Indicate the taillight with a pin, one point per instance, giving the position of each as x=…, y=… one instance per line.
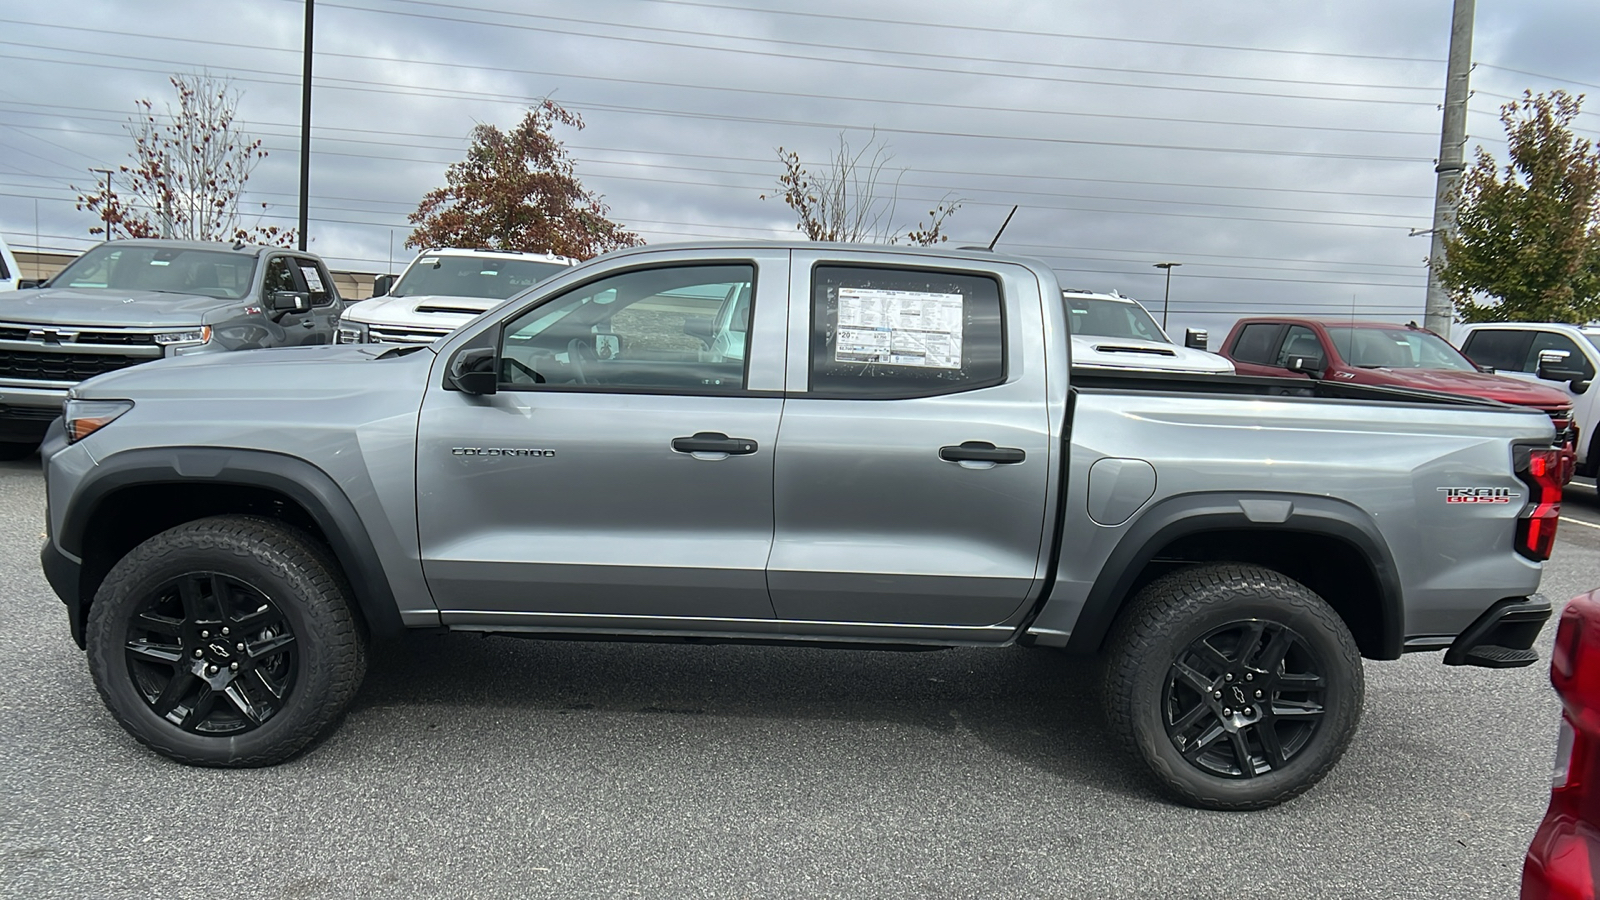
x=1540, y=470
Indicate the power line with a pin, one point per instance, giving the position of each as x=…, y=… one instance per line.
x=1588, y=84
x=327, y=83
x=658, y=29
x=765, y=160
x=455, y=18
x=970, y=28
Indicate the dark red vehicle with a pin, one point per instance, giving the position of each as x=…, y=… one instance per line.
x=1387, y=355
x=1563, y=862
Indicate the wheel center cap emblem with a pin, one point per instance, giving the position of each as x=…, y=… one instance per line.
x=222, y=651
x=1238, y=694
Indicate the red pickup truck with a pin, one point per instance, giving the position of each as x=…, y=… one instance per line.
x=1387, y=355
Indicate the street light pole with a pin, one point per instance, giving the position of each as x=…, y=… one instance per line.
x=105, y=203
x=305, y=128
x=1169, y=266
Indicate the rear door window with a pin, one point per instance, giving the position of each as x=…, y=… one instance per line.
x=1504, y=349
x=898, y=333
x=1257, y=343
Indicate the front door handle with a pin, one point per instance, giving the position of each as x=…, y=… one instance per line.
x=714, y=442
x=981, y=451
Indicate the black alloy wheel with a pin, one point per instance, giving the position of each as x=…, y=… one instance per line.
x=212, y=654
x=1244, y=699
x=227, y=641
x=1238, y=687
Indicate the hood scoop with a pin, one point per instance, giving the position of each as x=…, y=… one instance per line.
x=1145, y=351
x=452, y=310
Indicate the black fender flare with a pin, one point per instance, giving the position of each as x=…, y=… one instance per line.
x=1192, y=514
x=303, y=483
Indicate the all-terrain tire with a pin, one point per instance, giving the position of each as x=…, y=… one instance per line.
x=1183, y=646
x=289, y=607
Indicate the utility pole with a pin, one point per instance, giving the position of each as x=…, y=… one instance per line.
x=1452, y=144
x=305, y=128
x=1169, y=266
x=105, y=206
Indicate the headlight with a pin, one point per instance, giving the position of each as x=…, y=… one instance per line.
x=352, y=333
x=85, y=417
x=188, y=336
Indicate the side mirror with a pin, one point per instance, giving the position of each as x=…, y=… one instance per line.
x=1557, y=365
x=26, y=283
x=383, y=284
x=475, y=371
x=1197, y=339
x=280, y=302
x=1305, y=365
x=700, y=327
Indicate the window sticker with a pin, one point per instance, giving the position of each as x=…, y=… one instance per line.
x=160, y=262
x=899, y=328
x=313, y=280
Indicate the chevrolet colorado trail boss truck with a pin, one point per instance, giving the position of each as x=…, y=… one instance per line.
x=132, y=301
x=837, y=445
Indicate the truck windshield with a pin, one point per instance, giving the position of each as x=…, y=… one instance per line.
x=471, y=276
x=1112, y=318
x=172, y=270
x=1396, y=348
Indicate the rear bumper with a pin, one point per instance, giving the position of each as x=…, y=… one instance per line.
x=1501, y=638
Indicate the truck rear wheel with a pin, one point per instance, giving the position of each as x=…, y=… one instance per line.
x=1239, y=687
x=226, y=641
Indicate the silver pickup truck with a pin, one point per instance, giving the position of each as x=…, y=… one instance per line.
x=832, y=445
x=128, y=302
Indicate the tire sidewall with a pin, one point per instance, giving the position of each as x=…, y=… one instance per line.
x=1341, y=702
x=124, y=593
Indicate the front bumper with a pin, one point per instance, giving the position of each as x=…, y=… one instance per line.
x=1501, y=638
x=64, y=574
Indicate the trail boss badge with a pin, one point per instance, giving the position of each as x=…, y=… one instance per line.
x=1476, y=495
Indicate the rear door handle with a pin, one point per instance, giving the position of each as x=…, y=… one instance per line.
x=714, y=442
x=981, y=451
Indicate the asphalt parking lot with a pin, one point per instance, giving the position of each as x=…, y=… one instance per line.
x=491, y=767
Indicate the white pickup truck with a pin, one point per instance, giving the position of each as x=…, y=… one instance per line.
x=1110, y=331
x=441, y=290
x=1551, y=352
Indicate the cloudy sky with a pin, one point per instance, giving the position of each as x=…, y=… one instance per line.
x=1281, y=151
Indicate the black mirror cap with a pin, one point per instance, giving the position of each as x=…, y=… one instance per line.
x=475, y=370
x=383, y=284
x=1305, y=365
x=31, y=283
x=289, y=301
x=479, y=383
x=1556, y=365
x=1197, y=339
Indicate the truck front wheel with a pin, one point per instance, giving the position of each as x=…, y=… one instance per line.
x=1239, y=687
x=226, y=641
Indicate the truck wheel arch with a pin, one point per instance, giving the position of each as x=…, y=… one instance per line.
x=1318, y=533
x=212, y=480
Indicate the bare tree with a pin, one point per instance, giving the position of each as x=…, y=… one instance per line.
x=848, y=199
x=190, y=166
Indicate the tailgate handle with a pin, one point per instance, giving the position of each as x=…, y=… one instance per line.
x=981, y=451
x=714, y=442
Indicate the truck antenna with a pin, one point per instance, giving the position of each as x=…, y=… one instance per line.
x=1002, y=227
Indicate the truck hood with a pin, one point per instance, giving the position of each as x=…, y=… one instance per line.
x=424, y=311
x=1470, y=384
x=107, y=307
x=308, y=372
x=1098, y=352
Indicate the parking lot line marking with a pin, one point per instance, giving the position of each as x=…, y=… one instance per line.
x=1580, y=522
